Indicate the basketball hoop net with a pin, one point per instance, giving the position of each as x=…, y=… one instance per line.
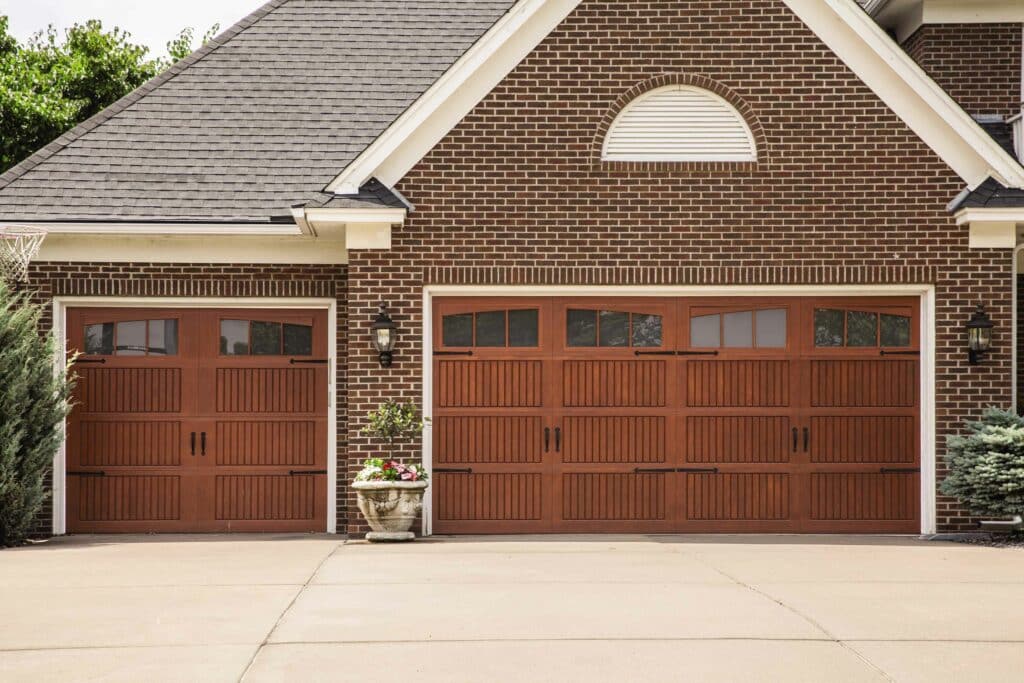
x=19, y=244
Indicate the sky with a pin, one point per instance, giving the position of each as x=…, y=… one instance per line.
x=151, y=22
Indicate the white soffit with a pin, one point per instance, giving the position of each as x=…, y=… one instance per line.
x=890, y=72
x=679, y=123
x=841, y=24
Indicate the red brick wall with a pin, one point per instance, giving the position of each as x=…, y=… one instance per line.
x=978, y=64
x=199, y=280
x=843, y=193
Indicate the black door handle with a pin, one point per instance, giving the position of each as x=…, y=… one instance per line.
x=558, y=439
x=192, y=441
x=795, y=437
x=807, y=438
x=547, y=439
x=202, y=441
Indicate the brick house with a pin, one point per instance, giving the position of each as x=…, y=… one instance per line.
x=668, y=266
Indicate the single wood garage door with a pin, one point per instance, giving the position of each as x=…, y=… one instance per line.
x=198, y=420
x=676, y=415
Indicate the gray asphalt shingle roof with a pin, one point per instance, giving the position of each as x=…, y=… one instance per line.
x=260, y=120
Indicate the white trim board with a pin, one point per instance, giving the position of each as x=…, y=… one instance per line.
x=926, y=293
x=291, y=250
x=842, y=25
x=61, y=304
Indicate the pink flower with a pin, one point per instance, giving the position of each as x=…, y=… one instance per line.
x=406, y=476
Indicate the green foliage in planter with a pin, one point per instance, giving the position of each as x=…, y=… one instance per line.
x=986, y=467
x=393, y=421
x=34, y=401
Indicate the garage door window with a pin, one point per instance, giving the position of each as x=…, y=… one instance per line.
x=835, y=328
x=740, y=330
x=259, y=338
x=132, y=338
x=613, y=329
x=492, y=329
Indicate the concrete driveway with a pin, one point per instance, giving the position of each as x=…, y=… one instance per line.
x=277, y=608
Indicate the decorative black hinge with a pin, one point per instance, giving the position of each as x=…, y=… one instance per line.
x=883, y=352
x=318, y=361
x=98, y=361
x=296, y=473
x=698, y=470
x=87, y=474
x=453, y=353
x=900, y=470
x=453, y=470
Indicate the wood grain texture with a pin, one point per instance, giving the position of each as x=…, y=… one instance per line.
x=737, y=439
x=614, y=384
x=130, y=444
x=611, y=439
x=863, y=383
x=864, y=496
x=883, y=439
x=619, y=497
x=265, y=497
x=490, y=384
x=489, y=439
x=737, y=497
x=130, y=390
x=738, y=383
x=489, y=497
x=266, y=390
x=128, y=498
x=270, y=443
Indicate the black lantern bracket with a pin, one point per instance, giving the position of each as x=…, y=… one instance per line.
x=979, y=335
x=385, y=334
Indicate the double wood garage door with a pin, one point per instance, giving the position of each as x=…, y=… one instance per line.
x=198, y=420
x=676, y=415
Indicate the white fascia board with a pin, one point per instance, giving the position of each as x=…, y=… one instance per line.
x=349, y=216
x=257, y=229
x=972, y=12
x=1001, y=215
x=925, y=107
x=454, y=95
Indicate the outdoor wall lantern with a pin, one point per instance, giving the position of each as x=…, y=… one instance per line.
x=384, y=336
x=979, y=335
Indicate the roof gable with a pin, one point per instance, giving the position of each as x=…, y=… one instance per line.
x=842, y=25
x=260, y=119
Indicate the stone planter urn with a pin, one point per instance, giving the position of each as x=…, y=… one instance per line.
x=390, y=508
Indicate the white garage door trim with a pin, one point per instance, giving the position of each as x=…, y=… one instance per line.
x=925, y=292
x=62, y=304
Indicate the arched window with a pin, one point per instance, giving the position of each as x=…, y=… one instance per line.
x=679, y=123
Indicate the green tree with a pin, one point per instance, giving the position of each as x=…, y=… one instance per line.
x=34, y=402
x=986, y=465
x=49, y=85
x=181, y=47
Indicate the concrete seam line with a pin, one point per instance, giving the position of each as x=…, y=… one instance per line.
x=871, y=665
x=284, y=612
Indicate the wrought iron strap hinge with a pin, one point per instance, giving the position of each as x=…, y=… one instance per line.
x=87, y=474
x=453, y=470
x=685, y=470
x=317, y=361
x=296, y=473
x=900, y=470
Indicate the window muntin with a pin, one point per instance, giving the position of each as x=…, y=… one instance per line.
x=589, y=328
x=132, y=338
x=265, y=338
x=761, y=329
x=837, y=328
x=515, y=328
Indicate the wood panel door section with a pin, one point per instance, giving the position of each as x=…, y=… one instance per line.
x=737, y=415
x=172, y=433
x=492, y=433
x=263, y=432
x=614, y=398
x=862, y=415
x=130, y=468
x=750, y=415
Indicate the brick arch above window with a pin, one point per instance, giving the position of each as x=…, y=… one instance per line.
x=661, y=110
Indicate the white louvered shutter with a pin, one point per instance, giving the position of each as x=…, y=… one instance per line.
x=679, y=123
